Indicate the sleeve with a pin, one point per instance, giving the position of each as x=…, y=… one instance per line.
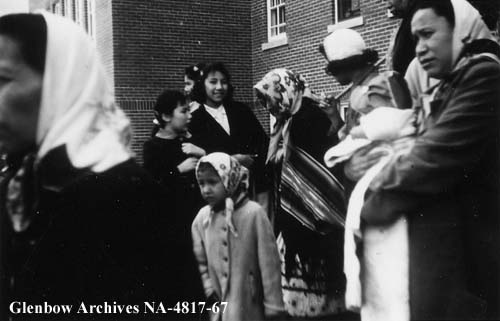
x=258, y=144
x=149, y=156
x=160, y=165
x=455, y=144
x=389, y=89
x=310, y=131
x=200, y=253
x=270, y=266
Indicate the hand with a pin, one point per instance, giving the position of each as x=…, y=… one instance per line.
x=330, y=106
x=193, y=150
x=187, y=165
x=244, y=159
x=361, y=161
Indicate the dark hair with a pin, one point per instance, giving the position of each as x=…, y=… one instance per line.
x=478, y=46
x=443, y=8
x=29, y=31
x=194, y=72
x=166, y=103
x=206, y=166
x=368, y=57
x=199, y=93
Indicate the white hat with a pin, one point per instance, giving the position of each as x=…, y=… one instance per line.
x=343, y=43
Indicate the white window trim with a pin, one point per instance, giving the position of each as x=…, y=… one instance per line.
x=273, y=41
x=91, y=12
x=58, y=8
x=68, y=7
x=345, y=24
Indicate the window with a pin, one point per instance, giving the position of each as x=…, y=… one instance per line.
x=347, y=9
x=347, y=14
x=276, y=19
x=89, y=20
x=80, y=11
x=57, y=8
x=77, y=11
x=63, y=8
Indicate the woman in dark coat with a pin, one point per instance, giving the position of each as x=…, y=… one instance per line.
x=447, y=182
x=310, y=249
x=80, y=221
x=222, y=124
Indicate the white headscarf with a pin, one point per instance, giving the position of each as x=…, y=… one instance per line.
x=77, y=106
x=469, y=26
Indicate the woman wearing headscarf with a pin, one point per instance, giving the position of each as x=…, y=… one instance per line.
x=80, y=220
x=447, y=183
x=310, y=238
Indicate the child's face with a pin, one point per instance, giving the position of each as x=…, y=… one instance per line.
x=181, y=116
x=188, y=85
x=211, y=187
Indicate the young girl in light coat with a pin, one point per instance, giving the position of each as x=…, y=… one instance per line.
x=235, y=246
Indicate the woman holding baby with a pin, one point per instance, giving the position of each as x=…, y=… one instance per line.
x=446, y=183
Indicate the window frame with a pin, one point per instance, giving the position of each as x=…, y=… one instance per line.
x=57, y=8
x=346, y=23
x=89, y=17
x=82, y=12
x=279, y=36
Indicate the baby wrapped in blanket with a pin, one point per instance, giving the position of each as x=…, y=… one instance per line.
x=377, y=280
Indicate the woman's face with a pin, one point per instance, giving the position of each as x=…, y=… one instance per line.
x=216, y=86
x=180, y=118
x=20, y=97
x=188, y=86
x=343, y=77
x=434, y=36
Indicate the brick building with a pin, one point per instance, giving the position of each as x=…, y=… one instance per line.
x=307, y=24
x=145, y=45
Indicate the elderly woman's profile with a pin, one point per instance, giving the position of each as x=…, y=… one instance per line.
x=80, y=220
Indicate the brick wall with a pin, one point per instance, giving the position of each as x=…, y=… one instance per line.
x=307, y=26
x=155, y=40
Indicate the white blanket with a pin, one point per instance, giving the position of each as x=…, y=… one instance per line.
x=378, y=281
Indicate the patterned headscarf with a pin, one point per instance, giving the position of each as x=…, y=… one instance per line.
x=235, y=179
x=282, y=90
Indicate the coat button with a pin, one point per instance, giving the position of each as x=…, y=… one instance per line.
x=224, y=243
x=224, y=228
x=225, y=259
x=224, y=274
